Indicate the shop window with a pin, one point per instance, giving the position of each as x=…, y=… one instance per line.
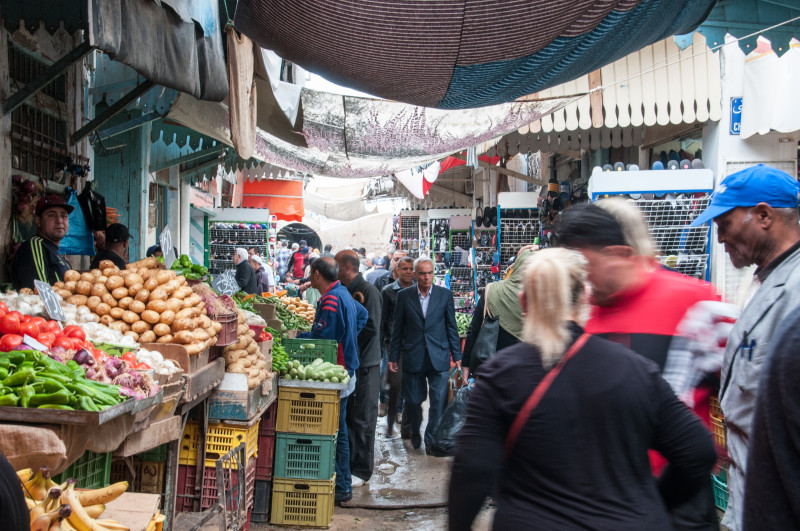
x=156, y=205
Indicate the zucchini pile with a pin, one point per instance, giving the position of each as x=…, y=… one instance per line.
x=318, y=370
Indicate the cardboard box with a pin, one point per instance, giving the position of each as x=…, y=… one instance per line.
x=232, y=400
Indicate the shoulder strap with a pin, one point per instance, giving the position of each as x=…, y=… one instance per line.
x=537, y=395
x=486, y=302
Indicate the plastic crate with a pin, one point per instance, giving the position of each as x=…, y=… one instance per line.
x=261, y=502
x=121, y=472
x=158, y=453
x=302, y=502
x=713, y=407
x=308, y=410
x=209, y=496
x=227, y=334
x=720, y=492
x=307, y=350
x=268, y=420
x=718, y=431
x=93, y=471
x=220, y=439
x=185, y=494
x=304, y=456
x=266, y=457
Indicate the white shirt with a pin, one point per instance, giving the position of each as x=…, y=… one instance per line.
x=424, y=300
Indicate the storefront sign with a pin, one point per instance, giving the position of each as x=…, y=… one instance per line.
x=736, y=116
x=167, y=249
x=225, y=283
x=50, y=300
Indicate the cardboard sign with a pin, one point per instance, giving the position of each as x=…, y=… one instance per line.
x=167, y=249
x=50, y=300
x=225, y=283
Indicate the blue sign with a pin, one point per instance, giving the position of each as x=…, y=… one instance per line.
x=736, y=116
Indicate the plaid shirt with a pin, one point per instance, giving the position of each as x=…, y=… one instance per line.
x=282, y=260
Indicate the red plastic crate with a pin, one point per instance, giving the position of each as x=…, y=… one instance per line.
x=209, y=495
x=186, y=483
x=268, y=420
x=266, y=456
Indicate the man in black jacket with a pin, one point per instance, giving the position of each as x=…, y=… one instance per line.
x=405, y=279
x=245, y=275
x=362, y=406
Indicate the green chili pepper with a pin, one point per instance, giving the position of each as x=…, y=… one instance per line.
x=5, y=362
x=59, y=397
x=200, y=269
x=26, y=392
x=13, y=358
x=20, y=377
x=3, y=373
x=58, y=377
x=47, y=385
x=87, y=404
x=186, y=261
x=56, y=406
x=9, y=399
x=192, y=276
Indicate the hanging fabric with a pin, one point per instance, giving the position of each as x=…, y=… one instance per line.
x=242, y=98
x=79, y=239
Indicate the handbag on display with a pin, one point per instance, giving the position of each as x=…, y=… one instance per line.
x=93, y=206
x=485, y=344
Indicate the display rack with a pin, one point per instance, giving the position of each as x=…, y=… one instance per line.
x=224, y=239
x=461, y=275
x=483, y=251
x=669, y=201
x=410, y=233
x=518, y=223
x=273, y=236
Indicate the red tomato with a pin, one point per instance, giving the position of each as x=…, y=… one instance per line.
x=75, y=331
x=10, y=342
x=25, y=318
x=9, y=323
x=269, y=336
x=53, y=326
x=46, y=338
x=130, y=357
x=98, y=355
x=142, y=367
x=15, y=312
x=30, y=328
x=4, y=307
x=2, y=312
x=63, y=342
x=40, y=321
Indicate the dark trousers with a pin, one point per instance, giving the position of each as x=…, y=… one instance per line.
x=342, y=465
x=362, y=417
x=417, y=386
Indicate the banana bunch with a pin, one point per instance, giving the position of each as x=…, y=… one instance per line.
x=56, y=507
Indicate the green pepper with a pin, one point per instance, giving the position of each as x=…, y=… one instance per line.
x=186, y=261
x=5, y=362
x=9, y=400
x=57, y=376
x=56, y=406
x=20, y=377
x=13, y=358
x=3, y=373
x=200, y=269
x=59, y=397
x=47, y=385
x=87, y=404
x=192, y=276
x=75, y=370
x=26, y=392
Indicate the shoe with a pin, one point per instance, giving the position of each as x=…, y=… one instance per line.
x=356, y=482
x=391, y=433
x=416, y=440
x=381, y=410
x=399, y=418
x=405, y=431
x=342, y=497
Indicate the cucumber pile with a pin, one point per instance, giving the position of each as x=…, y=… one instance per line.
x=318, y=370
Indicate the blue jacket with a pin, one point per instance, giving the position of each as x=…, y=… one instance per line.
x=413, y=333
x=340, y=318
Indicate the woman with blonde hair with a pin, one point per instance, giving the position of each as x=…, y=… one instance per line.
x=559, y=425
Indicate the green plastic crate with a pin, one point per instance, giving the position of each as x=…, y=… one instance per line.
x=307, y=350
x=93, y=471
x=720, y=492
x=304, y=456
x=158, y=454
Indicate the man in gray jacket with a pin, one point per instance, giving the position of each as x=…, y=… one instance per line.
x=756, y=213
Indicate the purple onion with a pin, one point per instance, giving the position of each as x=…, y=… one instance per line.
x=56, y=357
x=125, y=380
x=83, y=357
x=137, y=378
x=91, y=373
x=114, y=367
x=28, y=187
x=16, y=178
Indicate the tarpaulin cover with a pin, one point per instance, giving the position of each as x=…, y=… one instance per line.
x=283, y=198
x=460, y=54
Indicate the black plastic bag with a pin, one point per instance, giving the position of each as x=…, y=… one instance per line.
x=94, y=207
x=446, y=434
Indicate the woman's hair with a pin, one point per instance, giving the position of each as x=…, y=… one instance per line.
x=632, y=223
x=554, y=282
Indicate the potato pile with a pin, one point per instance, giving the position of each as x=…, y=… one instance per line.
x=245, y=357
x=144, y=301
x=300, y=307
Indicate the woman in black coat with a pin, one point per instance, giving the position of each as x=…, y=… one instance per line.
x=580, y=460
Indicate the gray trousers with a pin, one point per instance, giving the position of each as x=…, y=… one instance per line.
x=362, y=417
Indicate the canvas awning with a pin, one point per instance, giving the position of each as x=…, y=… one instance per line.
x=282, y=198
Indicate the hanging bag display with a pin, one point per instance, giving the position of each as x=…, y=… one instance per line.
x=79, y=239
x=486, y=343
x=93, y=206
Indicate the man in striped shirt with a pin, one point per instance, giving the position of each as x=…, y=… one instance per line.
x=38, y=258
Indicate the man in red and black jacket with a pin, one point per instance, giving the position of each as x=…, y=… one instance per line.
x=339, y=318
x=640, y=304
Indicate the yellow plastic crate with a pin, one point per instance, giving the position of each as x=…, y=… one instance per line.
x=302, y=502
x=308, y=410
x=220, y=439
x=717, y=422
x=713, y=407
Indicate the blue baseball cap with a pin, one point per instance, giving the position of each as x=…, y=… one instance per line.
x=749, y=187
x=378, y=261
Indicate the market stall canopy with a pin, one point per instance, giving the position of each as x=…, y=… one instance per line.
x=174, y=43
x=282, y=198
x=457, y=55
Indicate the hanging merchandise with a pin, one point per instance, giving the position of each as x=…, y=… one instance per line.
x=79, y=239
x=93, y=206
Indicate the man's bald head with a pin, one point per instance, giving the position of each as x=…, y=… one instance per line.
x=349, y=264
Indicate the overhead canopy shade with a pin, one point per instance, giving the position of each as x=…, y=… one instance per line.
x=282, y=198
x=460, y=54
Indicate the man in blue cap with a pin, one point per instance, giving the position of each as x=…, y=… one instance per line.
x=756, y=213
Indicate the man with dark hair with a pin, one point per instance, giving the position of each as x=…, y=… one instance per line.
x=327, y=251
x=640, y=305
x=392, y=276
x=362, y=406
x=117, y=241
x=378, y=272
x=38, y=258
x=340, y=318
x=756, y=214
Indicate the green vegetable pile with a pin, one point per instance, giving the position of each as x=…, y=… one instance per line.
x=463, y=321
x=279, y=356
x=32, y=379
x=184, y=267
x=318, y=370
x=290, y=320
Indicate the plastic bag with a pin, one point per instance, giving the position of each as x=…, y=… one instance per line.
x=93, y=206
x=446, y=434
x=79, y=239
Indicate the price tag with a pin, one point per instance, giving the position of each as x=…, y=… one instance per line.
x=28, y=340
x=167, y=249
x=225, y=283
x=50, y=300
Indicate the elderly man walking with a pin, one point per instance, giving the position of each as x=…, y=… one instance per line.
x=756, y=213
x=425, y=335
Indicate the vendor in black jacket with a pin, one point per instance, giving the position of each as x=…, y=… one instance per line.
x=117, y=239
x=245, y=274
x=38, y=258
x=362, y=405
